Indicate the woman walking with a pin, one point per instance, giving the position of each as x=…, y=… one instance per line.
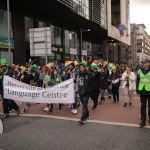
x=54, y=79
x=115, y=81
x=128, y=85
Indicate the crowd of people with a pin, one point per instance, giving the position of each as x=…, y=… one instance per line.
x=90, y=82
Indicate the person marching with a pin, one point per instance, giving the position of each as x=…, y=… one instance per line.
x=54, y=79
x=128, y=85
x=83, y=84
x=115, y=81
x=109, y=72
x=73, y=74
x=103, y=84
x=143, y=89
x=24, y=77
x=7, y=103
x=94, y=83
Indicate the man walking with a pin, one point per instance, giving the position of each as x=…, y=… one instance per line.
x=143, y=88
x=8, y=104
x=83, y=84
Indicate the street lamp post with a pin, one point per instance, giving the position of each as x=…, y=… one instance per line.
x=8, y=21
x=80, y=43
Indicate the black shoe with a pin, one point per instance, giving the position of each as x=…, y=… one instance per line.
x=82, y=122
x=142, y=124
x=125, y=105
x=5, y=116
x=109, y=97
x=114, y=101
x=130, y=104
x=99, y=102
x=93, y=107
x=18, y=111
x=102, y=99
x=49, y=111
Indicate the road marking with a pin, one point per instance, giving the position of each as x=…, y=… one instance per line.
x=76, y=120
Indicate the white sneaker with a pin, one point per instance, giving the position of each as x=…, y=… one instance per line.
x=46, y=109
x=69, y=107
x=72, y=110
x=88, y=118
x=75, y=111
x=22, y=111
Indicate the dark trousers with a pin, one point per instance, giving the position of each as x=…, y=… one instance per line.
x=115, y=92
x=76, y=101
x=85, y=111
x=9, y=104
x=94, y=96
x=52, y=106
x=143, y=99
x=109, y=90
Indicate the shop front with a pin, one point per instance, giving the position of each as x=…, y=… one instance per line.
x=4, y=49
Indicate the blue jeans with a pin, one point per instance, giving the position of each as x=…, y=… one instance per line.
x=85, y=112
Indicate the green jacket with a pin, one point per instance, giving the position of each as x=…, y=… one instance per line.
x=53, y=81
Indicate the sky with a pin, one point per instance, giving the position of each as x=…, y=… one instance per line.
x=140, y=13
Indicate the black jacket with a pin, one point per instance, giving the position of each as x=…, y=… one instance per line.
x=103, y=84
x=26, y=78
x=95, y=81
x=9, y=73
x=116, y=76
x=83, y=83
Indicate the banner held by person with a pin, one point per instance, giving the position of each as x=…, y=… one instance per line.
x=18, y=91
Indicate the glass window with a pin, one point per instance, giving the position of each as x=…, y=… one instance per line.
x=56, y=35
x=67, y=37
x=115, y=11
x=139, y=44
x=81, y=7
x=4, y=54
x=29, y=24
x=42, y=24
x=71, y=41
x=3, y=23
x=139, y=37
x=87, y=46
x=139, y=50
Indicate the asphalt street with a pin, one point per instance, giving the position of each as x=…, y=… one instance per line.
x=40, y=133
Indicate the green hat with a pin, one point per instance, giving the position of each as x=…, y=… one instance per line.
x=114, y=68
x=23, y=68
x=83, y=63
x=35, y=66
x=95, y=64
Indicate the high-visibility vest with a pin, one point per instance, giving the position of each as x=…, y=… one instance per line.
x=144, y=81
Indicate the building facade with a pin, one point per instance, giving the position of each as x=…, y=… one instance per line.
x=118, y=42
x=140, y=43
x=80, y=29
